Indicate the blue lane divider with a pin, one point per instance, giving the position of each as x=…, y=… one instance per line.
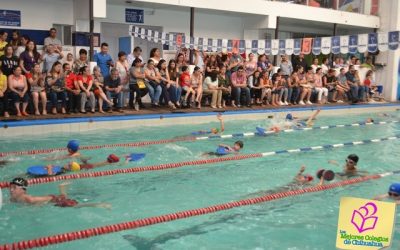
x=330, y=146
x=247, y=134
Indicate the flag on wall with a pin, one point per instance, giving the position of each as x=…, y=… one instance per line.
x=267, y=47
x=149, y=35
x=372, y=42
x=297, y=47
x=209, y=44
x=289, y=44
x=335, y=42
x=200, y=43
x=235, y=46
x=326, y=45
x=362, y=43
x=219, y=45
x=344, y=44
x=394, y=40
x=254, y=46
x=383, y=41
x=261, y=47
x=316, y=49
x=282, y=46
x=224, y=45
x=242, y=46
x=143, y=33
x=306, y=46
x=230, y=45
x=274, y=47
x=353, y=44
x=214, y=44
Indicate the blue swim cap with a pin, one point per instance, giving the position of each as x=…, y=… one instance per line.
x=395, y=188
x=289, y=117
x=73, y=145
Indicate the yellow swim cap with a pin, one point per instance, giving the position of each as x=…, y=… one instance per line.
x=75, y=166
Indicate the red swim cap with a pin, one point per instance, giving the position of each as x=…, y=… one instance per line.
x=112, y=158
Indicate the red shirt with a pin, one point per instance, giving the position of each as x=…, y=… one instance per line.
x=70, y=81
x=367, y=82
x=183, y=77
x=85, y=82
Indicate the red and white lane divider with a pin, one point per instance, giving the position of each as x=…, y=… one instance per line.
x=108, y=229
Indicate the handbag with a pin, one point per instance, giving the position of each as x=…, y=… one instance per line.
x=140, y=83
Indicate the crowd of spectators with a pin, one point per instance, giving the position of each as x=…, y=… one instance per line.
x=65, y=84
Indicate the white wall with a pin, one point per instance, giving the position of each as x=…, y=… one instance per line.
x=41, y=14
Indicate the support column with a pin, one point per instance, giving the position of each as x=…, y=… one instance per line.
x=191, y=32
x=91, y=30
x=276, y=37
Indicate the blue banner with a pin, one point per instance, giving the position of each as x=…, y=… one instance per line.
x=282, y=46
x=167, y=39
x=316, y=49
x=191, y=42
x=353, y=44
x=268, y=47
x=230, y=45
x=200, y=45
x=254, y=46
x=335, y=45
x=134, y=16
x=10, y=18
x=219, y=45
x=394, y=41
x=297, y=47
x=209, y=44
x=242, y=46
x=372, y=42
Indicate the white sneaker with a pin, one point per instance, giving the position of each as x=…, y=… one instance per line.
x=301, y=103
x=309, y=103
x=281, y=103
x=137, y=106
x=286, y=103
x=339, y=101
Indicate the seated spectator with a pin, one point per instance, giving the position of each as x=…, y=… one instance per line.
x=3, y=41
x=168, y=87
x=70, y=60
x=72, y=88
x=51, y=56
x=8, y=61
x=306, y=87
x=81, y=61
x=19, y=91
x=284, y=90
x=211, y=65
x=56, y=83
x=53, y=40
x=276, y=89
x=239, y=85
x=104, y=60
x=4, y=93
x=180, y=62
x=15, y=40
x=21, y=48
x=235, y=62
x=361, y=88
x=256, y=88
x=368, y=64
x=98, y=81
x=155, y=55
x=285, y=67
x=263, y=63
x=296, y=78
x=369, y=84
x=185, y=84
x=330, y=81
x=342, y=84
x=113, y=86
x=325, y=66
x=351, y=81
x=336, y=63
x=319, y=86
x=123, y=69
x=224, y=84
x=137, y=53
x=315, y=65
x=266, y=92
x=153, y=80
x=174, y=79
x=196, y=83
x=210, y=86
x=29, y=57
x=137, y=84
x=85, y=82
x=36, y=82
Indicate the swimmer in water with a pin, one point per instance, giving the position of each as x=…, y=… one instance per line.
x=19, y=194
x=73, y=151
x=74, y=166
x=392, y=194
x=292, y=122
x=224, y=149
x=350, y=168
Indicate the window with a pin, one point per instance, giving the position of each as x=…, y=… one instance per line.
x=64, y=33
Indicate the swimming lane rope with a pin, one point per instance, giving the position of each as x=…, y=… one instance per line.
x=195, y=162
x=108, y=229
x=188, y=138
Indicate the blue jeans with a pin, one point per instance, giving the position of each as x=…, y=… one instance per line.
x=237, y=93
x=362, y=91
x=155, y=91
x=295, y=94
x=178, y=93
x=55, y=96
x=354, y=92
x=111, y=95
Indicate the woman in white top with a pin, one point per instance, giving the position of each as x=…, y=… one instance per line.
x=196, y=81
x=319, y=86
x=155, y=55
x=210, y=86
x=325, y=66
x=123, y=68
x=315, y=65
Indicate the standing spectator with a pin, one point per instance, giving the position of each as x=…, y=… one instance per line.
x=53, y=40
x=224, y=84
x=174, y=77
x=361, y=87
x=286, y=67
x=196, y=83
x=155, y=55
x=123, y=69
x=250, y=67
x=153, y=80
x=239, y=85
x=211, y=66
x=368, y=64
x=36, y=82
x=72, y=88
x=299, y=61
x=56, y=83
x=104, y=60
x=325, y=66
x=15, y=40
x=235, y=62
x=263, y=64
x=198, y=59
x=113, y=86
x=29, y=57
x=85, y=82
x=352, y=61
x=137, y=84
x=3, y=41
x=184, y=81
x=351, y=81
x=137, y=53
x=70, y=59
x=321, y=90
x=168, y=87
x=331, y=83
x=306, y=87
x=4, y=93
x=98, y=81
x=8, y=61
x=22, y=47
x=51, y=56
x=81, y=61
x=210, y=86
x=18, y=90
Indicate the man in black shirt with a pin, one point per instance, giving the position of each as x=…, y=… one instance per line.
x=8, y=61
x=112, y=84
x=300, y=61
x=351, y=81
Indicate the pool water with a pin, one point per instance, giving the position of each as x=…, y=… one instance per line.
x=304, y=222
